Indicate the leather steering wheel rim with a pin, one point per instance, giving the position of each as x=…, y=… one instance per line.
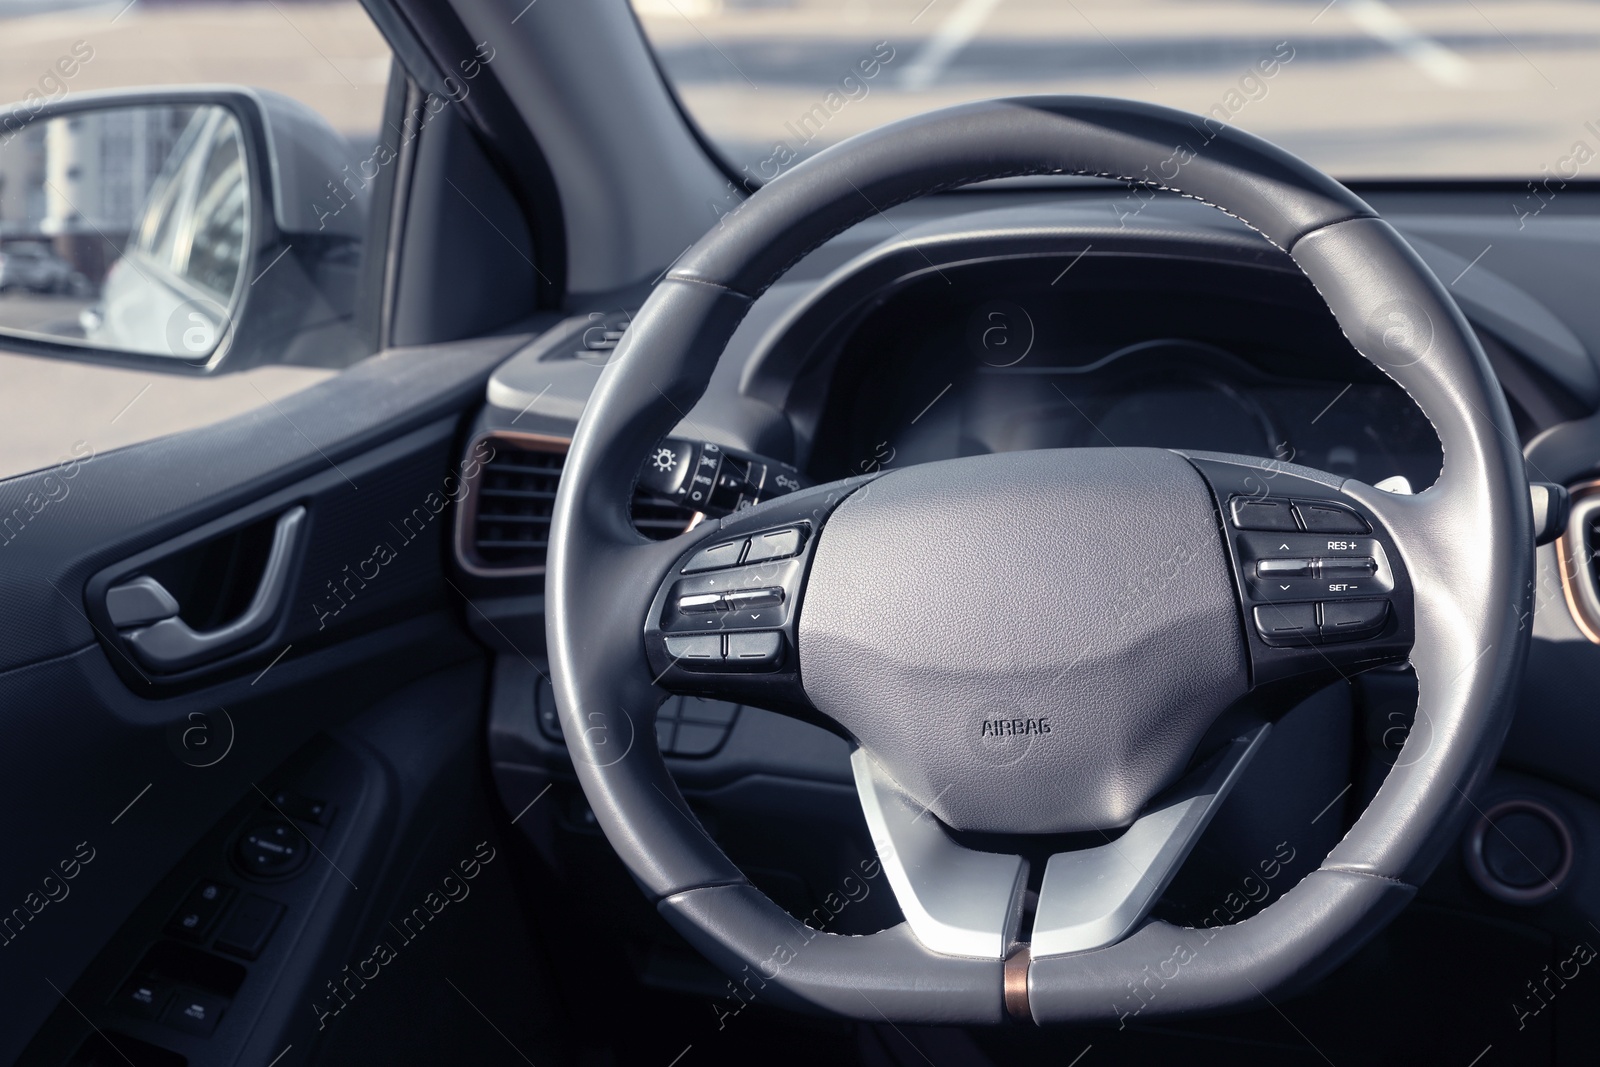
x=1466, y=542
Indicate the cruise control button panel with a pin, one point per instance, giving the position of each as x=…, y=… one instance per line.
x=755, y=596
x=1316, y=567
x=1302, y=566
x=724, y=621
x=1322, y=585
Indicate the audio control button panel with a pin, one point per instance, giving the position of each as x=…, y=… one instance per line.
x=724, y=621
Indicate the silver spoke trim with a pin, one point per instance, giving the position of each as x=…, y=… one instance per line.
x=956, y=901
x=1095, y=897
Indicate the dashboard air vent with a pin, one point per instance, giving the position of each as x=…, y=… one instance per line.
x=504, y=529
x=511, y=500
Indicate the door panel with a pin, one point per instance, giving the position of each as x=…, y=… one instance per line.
x=95, y=766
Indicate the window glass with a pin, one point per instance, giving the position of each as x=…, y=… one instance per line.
x=127, y=230
x=1360, y=88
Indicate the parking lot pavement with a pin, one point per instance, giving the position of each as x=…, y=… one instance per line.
x=52, y=409
x=327, y=55
x=1372, y=88
x=42, y=313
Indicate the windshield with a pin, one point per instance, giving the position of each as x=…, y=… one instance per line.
x=1360, y=88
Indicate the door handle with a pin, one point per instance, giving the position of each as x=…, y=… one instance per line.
x=170, y=644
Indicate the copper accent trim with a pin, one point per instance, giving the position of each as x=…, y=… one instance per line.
x=1572, y=558
x=467, y=513
x=1016, y=985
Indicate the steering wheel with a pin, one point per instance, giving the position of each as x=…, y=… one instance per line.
x=1044, y=642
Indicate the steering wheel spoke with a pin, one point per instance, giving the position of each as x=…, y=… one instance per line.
x=962, y=902
x=1096, y=896
x=957, y=901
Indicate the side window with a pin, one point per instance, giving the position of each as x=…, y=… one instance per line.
x=189, y=214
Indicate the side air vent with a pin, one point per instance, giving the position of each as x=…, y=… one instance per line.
x=505, y=526
x=503, y=529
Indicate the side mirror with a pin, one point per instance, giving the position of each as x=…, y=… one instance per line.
x=183, y=227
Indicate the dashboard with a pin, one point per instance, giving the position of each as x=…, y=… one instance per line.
x=980, y=322
x=1121, y=350
x=1008, y=320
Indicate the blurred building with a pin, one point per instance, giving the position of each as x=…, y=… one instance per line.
x=22, y=171
x=80, y=181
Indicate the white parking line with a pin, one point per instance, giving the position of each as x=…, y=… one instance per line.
x=1434, y=59
x=954, y=34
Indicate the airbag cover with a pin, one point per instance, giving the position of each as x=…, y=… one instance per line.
x=1032, y=642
